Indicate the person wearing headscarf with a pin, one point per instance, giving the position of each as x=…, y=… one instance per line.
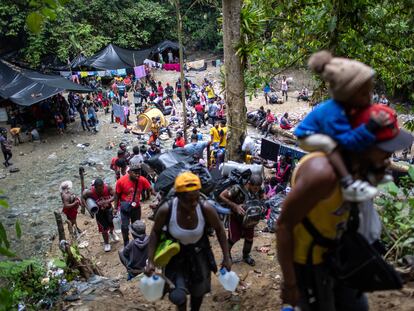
x=71, y=204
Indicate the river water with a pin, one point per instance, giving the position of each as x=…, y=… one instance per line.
x=33, y=193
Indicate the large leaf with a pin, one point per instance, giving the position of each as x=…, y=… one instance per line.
x=51, y=14
x=6, y=252
x=34, y=22
x=4, y=203
x=411, y=172
x=59, y=263
x=18, y=229
x=3, y=236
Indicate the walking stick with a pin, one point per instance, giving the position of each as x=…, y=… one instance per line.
x=82, y=179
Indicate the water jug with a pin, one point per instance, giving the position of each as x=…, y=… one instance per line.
x=91, y=206
x=152, y=287
x=229, y=280
x=117, y=223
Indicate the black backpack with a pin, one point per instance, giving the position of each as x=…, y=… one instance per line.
x=353, y=261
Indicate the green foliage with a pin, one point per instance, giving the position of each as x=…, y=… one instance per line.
x=396, y=208
x=379, y=33
x=200, y=24
x=23, y=281
x=66, y=28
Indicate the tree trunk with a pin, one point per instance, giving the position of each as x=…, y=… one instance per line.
x=181, y=56
x=59, y=223
x=234, y=79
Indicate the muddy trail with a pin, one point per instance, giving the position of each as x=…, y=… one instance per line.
x=33, y=195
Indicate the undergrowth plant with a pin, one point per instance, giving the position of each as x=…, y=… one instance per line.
x=396, y=208
x=23, y=282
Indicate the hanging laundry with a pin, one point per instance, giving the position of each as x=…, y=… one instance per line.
x=139, y=72
x=119, y=113
x=121, y=72
x=101, y=73
x=92, y=73
x=83, y=74
x=152, y=64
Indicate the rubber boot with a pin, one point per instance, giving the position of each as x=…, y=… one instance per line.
x=247, y=248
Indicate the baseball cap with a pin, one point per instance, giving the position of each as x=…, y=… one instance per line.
x=389, y=138
x=135, y=166
x=187, y=182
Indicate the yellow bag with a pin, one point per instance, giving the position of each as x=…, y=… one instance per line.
x=166, y=249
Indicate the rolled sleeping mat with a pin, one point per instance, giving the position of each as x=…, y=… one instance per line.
x=227, y=167
x=92, y=207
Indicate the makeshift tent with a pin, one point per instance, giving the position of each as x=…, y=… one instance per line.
x=113, y=57
x=163, y=48
x=27, y=87
x=77, y=61
x=145, y=119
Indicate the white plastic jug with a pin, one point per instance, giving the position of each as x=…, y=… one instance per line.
x=152, y=287
x=229, y=280
x=117, y=223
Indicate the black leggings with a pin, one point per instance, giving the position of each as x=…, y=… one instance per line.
x=7, y=156
x=178, y=296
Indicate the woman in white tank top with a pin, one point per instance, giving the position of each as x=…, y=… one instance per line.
x=186, y=218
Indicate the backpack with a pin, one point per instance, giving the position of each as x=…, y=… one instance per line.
x=353, y=261
x=235, y=177
x=254, y=210
x=211, y=111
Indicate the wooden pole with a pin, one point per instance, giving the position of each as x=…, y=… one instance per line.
x=181, y=55
x=82, y=179
x=61, y=229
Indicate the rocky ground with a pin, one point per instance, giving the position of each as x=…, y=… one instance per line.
x=33, y=196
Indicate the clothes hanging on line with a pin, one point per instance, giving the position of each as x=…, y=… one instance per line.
x=139, y=72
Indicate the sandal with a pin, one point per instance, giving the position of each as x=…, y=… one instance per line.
x=249, y=260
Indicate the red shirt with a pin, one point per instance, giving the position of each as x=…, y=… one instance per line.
x=180, y=142
x=270, y=118
x=113, y=164
x=160, y=91
x=125, y=188
x=199, y=108
x=105, y=195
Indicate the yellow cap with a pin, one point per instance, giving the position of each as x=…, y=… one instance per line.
x=186, y=182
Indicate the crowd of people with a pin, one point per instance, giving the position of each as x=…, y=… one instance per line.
x=303, y=203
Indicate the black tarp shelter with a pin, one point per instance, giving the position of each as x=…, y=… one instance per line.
x=77, y=61
x=113, y=57
x=27, y=87
x=163, y=48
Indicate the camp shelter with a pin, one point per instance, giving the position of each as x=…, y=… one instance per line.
x=113, y=57
x=145, y=119
x=164, y=47
x=26, y=87
x=77, y=62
